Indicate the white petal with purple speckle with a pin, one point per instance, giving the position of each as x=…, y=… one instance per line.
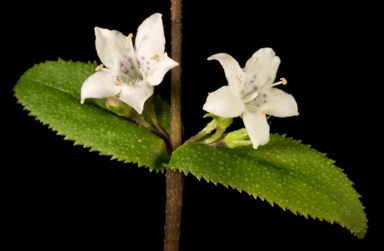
x=130, y=73
x=250, y=93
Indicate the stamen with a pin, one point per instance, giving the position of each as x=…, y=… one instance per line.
x=282, y=81
x=238, y=79
x=130, y=36
x=255, y=60
x=117, y=83
x=263, y=112
x=99, y=67
x=250, y=97
x=154, y=57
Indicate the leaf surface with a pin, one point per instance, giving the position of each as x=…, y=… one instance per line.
x=51, y=92
x=283, y=172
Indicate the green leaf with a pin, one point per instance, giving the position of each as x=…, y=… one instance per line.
x=51, y=92
x=283, y=172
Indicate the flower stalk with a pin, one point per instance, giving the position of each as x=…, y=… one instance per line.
x=174, y=179
x=219, y=124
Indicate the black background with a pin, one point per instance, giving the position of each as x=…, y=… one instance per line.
x=58, y=195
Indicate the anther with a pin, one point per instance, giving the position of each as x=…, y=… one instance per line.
x=283, y=81
x=117, y=83
x=130, y=36
x=238, y=79
x=154, y=57
x=255, y=60
x=99, y=67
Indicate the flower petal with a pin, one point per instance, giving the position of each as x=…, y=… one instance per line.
x=232, y=69
x=280, y=104
x=257, y=127
x=99, y=85
x=112, y=46
x=159, y=68
x=262, y=67
x=224, y=102
x=136, y=94
x=150, y=40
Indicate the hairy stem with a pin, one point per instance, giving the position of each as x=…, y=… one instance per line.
x=174, y=180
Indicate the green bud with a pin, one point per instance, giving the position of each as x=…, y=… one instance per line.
x=115, y=105
x=237, y=138
x=219, y=122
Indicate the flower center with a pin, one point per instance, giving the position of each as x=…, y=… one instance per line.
x=249, y=96
x=254, y=98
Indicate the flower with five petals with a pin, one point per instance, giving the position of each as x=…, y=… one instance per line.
x=131, y=72
x=251, y=94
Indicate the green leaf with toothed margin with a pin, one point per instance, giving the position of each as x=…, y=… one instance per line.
x=283, y=172
x=51, y=92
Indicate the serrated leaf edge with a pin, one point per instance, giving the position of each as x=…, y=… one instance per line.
x=273, y=203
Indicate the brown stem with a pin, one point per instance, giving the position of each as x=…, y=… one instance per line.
x=175, y=186
x=174, y=179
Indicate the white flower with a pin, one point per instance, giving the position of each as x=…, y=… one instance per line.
x=250, y=94
x=131, y=73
